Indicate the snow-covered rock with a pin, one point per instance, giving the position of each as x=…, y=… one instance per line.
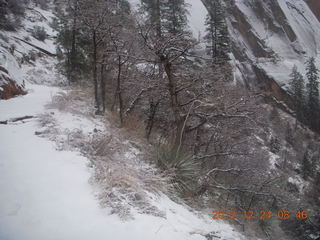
x=274, y=35
x=19, y=49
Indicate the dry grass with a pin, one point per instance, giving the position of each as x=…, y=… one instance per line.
x=134, y=125
x=125, y=186
x=75, y=100
x=117, y=155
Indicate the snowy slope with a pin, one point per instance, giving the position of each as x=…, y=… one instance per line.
x=17, y=56
x=45, y=193
x=274, y=35
x=46, y=190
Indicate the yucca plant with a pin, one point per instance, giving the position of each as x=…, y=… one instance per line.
x=179, y=165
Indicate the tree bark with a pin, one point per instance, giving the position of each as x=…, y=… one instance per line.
x=103, y=88
x=174, y=102
x=152, y=113
x=95, y=80
x=73, y=43
x=118, y=92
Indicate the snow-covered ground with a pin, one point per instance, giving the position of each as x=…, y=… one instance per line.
x=45, y=193
x=48, y=190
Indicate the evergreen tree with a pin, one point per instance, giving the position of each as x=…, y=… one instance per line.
x=174, y=17
x=217, y=37
x=297, y=89
x=313, y=93
x=306, y=165
x=74, y=44
x=153, y=11
x=275, y=145
x=289, y=135
x=167, y=18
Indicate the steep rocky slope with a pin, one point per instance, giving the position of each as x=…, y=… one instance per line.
x=270, y=37
x=20, y=49
x=315, y=7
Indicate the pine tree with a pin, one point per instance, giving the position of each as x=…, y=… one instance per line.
x=297, y=89
x=167, y=17
x=313, y=93
x=217, y=37
x=153, y=11
x=73, y=44
x=174, y=17
x=306, y=166
x=289, y=135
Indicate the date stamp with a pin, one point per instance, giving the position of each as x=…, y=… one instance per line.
x=262, y=215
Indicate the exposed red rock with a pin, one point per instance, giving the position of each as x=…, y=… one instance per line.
x=8, y=87
x=315, y=7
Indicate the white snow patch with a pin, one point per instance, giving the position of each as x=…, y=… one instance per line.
x=273, y=159
x=299, y=182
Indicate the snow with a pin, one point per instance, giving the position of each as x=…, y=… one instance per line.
x=273, y=159
x=10, y=64
x=26, y=105
x=33, y=72
x=46, y=190
x=45, y=193
x=298, y=181
x=305, y=26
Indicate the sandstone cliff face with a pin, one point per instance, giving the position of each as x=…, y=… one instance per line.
x=8, y=87
x=269, y=37
x=315, y=7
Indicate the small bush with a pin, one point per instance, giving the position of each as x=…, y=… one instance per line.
x=25, y=58
x=289, y=135
x=39, y=33
x=43, y=4
x=180, y=166
x=275, y=145
x=12, y=48
x=30, y=57
x=10, y=23
x=11, y=13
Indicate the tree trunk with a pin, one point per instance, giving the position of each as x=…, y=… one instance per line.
x=215, y=33
x=73, y=43
x=95, y=80
x=152, y=113
x=158, y=19
x=174, y=103
x=103, y=88
x=118, y=92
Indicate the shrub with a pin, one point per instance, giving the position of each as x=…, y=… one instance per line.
x=43, y=4
x=30, y=57
x=275, y=145
x=11, y=12
x=306, y=165
x=10, y=22
x=289, y=135
x=12, y=48
x=39, y=33
x=179, y=165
